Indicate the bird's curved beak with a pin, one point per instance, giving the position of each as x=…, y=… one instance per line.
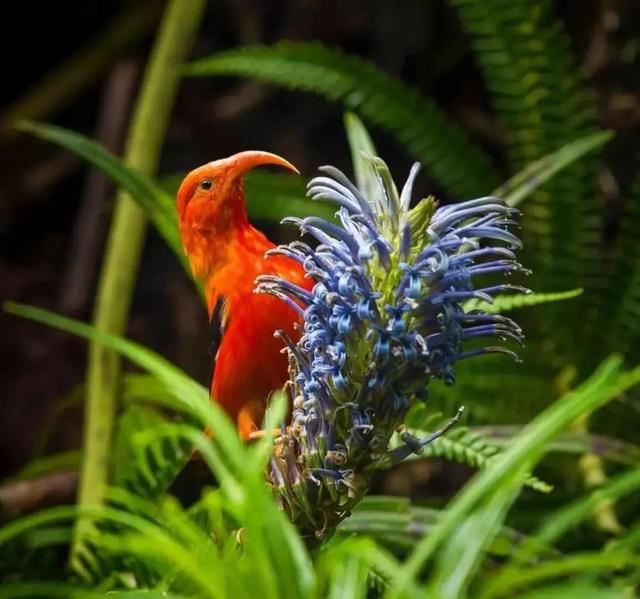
x=242, y=162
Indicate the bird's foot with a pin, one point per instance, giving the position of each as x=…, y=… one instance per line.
x=260, y=434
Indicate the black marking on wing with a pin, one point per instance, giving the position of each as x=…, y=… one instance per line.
x=217, y=327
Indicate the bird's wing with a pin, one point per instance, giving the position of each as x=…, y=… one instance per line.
x=218, y=324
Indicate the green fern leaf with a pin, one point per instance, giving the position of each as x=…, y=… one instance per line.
x=475, y=450
x=422, y=127
x=543, y=104
x=506, y=303
x=461, y=445
x=616, y=321
x=146, y=462
x=625, y=334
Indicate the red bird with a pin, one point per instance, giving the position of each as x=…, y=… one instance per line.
x=227, y=253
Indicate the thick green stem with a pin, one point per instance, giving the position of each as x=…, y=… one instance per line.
x=124, y=247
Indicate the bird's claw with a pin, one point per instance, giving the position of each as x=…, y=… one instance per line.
x=260, y=434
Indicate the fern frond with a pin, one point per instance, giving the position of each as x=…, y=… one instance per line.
x=543, y=104
x=613, y=319
x=146, y=462
x=464, y=446
x=616, y=323
x=423, y=128
x=506, y=303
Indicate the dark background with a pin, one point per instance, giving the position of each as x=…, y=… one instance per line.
x=54, y=212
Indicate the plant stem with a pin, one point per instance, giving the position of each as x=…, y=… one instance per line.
x=123, y=251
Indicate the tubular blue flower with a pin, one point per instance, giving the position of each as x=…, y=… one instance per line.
x=385, y=317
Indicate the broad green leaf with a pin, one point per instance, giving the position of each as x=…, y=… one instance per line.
x=383, y=566
x=349, y=575
x=49, y=590
x=144, y=388
x=360, y=144
x=485, y=501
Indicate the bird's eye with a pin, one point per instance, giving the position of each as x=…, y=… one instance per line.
x=206, y=184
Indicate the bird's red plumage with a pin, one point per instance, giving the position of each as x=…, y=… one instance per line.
x=229, y=254
x=250, y=363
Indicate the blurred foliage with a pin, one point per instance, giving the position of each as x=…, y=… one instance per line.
x=235, y=537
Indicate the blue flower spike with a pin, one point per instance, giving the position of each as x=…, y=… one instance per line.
x=385, y=317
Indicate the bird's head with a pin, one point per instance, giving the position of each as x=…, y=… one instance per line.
x=211, y=205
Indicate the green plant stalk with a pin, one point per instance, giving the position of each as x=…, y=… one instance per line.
x=124, y=247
